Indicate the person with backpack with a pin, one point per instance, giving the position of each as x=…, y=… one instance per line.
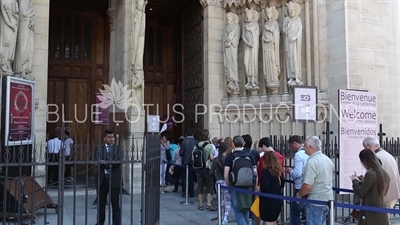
x=202, y=156
x=248, y=141
x=217, y=169
x=240, y=171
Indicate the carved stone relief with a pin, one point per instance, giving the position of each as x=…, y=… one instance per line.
x=138, y=38
x=17, y=27
x=250, y=37
x=230, y=3
x=292, y=31
x=270, y=61
x=138, y=34
x=270, y=43
x=111, y=19
x=9, y=31
x=25, y=39
x=231, y=47
x=206, y=3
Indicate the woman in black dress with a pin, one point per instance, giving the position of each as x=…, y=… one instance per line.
x=272, y=182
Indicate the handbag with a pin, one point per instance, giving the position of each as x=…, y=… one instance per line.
x=255, y=207
x=356, y=213
x=168, y=154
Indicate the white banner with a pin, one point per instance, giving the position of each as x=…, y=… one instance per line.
x=358, y=112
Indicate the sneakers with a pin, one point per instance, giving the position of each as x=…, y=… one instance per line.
x=224, y=222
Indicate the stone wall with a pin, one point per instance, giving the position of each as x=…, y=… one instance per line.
x=336, y=51
x=363, y=54
x=373, y=59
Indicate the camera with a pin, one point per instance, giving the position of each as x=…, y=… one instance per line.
x=305, y=97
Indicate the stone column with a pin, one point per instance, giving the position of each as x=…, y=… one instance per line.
x=136, y=75
x=111, y=12
x=316, y=62
x=214, y=87
x=283, y=72
x=39, y=72
x=136, y=114
x=308, y=41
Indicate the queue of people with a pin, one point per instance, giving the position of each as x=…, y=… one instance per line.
x=240, y=163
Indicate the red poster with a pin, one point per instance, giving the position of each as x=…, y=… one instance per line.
x=20, y=105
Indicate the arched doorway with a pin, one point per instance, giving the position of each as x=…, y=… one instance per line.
x=173, y=63
x=78, y=65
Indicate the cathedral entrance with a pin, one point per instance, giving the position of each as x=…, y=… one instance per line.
x=173, y=63
x=78, y=66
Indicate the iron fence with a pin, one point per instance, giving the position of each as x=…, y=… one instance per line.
x=331, y=149
x=42, y=188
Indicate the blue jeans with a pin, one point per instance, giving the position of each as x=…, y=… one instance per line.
x=316, y=214
x=241, y=218
x=295, y=210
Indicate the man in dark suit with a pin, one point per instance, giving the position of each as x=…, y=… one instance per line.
x=185, y=152
x=109, y=178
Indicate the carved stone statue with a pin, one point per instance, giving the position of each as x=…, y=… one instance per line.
x=270, y=44
x=250, y=37
x=8, y=28
x=139, y=27
x=138, y=88
x=231, y=43
x=292, y=30
x=25, y=41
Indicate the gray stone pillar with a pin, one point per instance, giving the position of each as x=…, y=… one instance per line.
x=214, y=86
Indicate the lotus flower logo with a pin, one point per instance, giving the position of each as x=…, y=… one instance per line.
x=117, y=95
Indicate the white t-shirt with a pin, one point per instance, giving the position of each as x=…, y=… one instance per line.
x=215, y=151
x=67, y=145
x=53, y=146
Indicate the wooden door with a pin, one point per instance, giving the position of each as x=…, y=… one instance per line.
x=56, y=102
x=193, y=66
x=78, y=67
x=162, y=69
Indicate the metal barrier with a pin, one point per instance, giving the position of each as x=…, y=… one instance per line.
x=331, y=149
x=42, y=188
x=151, y=179
x=332, y=204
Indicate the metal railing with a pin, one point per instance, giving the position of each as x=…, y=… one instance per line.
x=34, y=182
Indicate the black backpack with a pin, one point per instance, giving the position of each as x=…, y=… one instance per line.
x=168, y=154
x=199, y=161
x=243, y=172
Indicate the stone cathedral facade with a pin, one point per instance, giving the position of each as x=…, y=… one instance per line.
x=245, y=58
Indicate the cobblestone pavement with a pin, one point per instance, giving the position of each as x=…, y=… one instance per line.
x=172, y=212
